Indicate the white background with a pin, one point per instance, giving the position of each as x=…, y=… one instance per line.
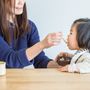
x=56, y=16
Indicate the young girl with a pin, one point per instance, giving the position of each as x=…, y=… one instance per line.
x=19, y=40
x=79, y=39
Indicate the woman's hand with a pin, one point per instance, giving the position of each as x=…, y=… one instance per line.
x=63, y=58
x=63, y=54
x=51, y=39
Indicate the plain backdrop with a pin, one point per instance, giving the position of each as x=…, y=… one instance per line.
x=56, y=16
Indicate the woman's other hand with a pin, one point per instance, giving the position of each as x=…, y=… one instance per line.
x=63, y=54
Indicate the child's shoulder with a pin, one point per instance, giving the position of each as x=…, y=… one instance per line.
x=86, y=55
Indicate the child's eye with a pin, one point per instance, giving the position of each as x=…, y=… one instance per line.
x=71, y=33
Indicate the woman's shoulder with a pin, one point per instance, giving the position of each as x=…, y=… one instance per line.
x=31, y=23
x=32, y=28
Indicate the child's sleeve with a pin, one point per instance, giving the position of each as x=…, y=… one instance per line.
x=83, y=67
x=72, y=68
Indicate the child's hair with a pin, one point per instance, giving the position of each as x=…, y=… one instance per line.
x=83, y=32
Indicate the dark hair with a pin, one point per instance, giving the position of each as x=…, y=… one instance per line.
x=83, y=32
x=81, y=20
x=20, y=22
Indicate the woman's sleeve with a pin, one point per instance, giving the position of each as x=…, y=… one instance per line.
x=41, y=60
x=13, y=59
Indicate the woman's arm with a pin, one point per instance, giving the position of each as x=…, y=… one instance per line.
x=49, y=41
x=40, y=59
x=13, y=59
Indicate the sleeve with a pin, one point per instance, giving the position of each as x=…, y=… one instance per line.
x=83, y=67
x=41, y=60
x=13, y=59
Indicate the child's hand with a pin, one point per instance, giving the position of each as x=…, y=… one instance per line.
x=64, y=69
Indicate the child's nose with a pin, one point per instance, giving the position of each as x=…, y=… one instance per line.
x=67, y=38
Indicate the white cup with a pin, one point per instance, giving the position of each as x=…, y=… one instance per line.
x=2, y=68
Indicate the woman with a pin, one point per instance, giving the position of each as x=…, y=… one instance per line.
x=19, y=40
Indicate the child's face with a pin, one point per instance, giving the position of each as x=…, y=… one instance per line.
x=72, y=41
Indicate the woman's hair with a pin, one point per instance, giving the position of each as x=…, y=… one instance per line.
x=20, y=21
x=83, y=32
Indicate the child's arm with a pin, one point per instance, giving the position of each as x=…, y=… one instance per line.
x=83, y=67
